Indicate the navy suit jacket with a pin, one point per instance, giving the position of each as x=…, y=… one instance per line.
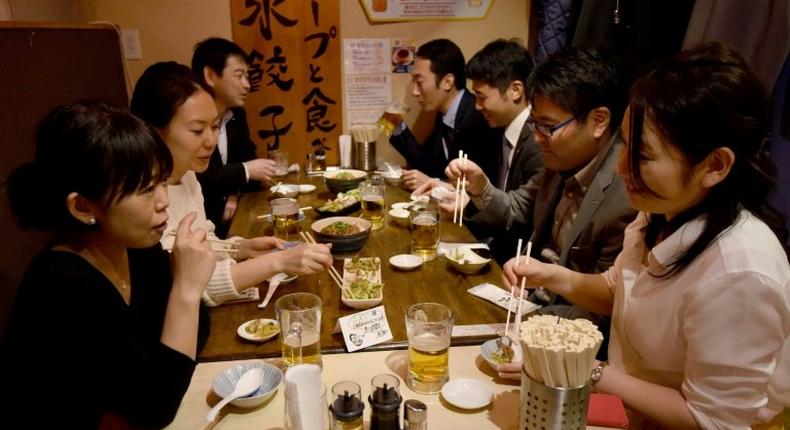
x=471, y=133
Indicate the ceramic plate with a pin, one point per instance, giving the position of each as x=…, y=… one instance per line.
x=306, y=188
x=254, y=337
x=401, y=205
x=406, y=261
x=466, y=393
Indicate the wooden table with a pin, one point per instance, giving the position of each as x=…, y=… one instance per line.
x=465, y=361
x=435, y=281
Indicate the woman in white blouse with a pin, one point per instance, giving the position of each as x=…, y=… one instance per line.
x=700, y=294
x=169, y=98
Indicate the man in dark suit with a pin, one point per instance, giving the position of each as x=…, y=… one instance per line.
x=499, y=74
x=234, y=165
x=438, y=83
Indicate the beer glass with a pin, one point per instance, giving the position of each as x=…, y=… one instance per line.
x=285, y=216
x=429, y=327
x=281, y=160
x=372, y=197
x=299, y=315
x=424, y=228
x=392, y=116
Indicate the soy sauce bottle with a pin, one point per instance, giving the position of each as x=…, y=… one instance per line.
x=347, y=407
x=385, y=401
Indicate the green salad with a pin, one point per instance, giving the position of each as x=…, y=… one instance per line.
x=362, y=289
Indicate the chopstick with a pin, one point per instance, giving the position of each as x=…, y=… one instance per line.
x=509, y=306
x=523, y=284
x=306, y=208
x=332, y=271
x=463, y=192
x=457, y=189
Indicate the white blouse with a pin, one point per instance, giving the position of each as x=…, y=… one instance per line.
x=719, y=331
x=187, y=197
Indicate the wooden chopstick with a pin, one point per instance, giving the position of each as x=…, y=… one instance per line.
x=333, y=273
x=461, y=195
x=457, y=190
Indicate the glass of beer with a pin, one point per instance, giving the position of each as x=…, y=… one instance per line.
x=285, y=217
x=299, y=315
x=281, y=160
x=424, y=228
x=372, y=197
x=429, y=327
x=392, y=117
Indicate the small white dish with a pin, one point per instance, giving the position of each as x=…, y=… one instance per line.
x=489, y=349
x=406, y=261
x=400, y=216
x=225, y=381
x=466, y=393
x=401, y=205
x=306, y=188
x=285, y=190
x=268, y=217
x=243, y=331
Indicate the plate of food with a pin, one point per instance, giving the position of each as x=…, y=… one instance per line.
x=343, y=204
x=494, y=356
x=259, y=330
x=346, y=234
x=362, y=279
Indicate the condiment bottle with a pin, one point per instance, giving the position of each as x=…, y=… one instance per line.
x=347, y=407
x=385, y=402
x=310, y=164
x=415, y=415
x=320, y=160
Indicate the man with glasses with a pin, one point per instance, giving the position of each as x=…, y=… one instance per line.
x=234, y=165
x=577, y=204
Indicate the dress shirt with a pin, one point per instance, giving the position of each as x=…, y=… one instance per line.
x=222, y=140
x=719, y=331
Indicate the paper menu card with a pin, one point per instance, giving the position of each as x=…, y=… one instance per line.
x=366, y=328
x=501, y=298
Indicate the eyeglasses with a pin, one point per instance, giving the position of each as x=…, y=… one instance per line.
x=545, y=129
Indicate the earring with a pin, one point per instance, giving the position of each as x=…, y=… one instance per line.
x=92, y=221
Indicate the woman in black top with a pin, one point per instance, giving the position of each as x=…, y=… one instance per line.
x=105, y=328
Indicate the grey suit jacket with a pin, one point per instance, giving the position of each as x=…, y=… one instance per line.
x=596, y=235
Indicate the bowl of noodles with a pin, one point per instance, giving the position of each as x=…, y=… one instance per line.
x=346, y=234
x=342, y=180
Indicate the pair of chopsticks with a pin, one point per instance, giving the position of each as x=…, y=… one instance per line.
x=519, y=260
x=333, y=273
x=460, y=191
x=306, y=208
x=220, y=245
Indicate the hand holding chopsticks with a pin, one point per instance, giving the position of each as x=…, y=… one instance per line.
x=333, y=273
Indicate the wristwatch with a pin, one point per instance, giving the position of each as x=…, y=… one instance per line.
x=596, y=374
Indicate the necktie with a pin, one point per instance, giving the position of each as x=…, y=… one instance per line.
x=447, y=138
x=503, y=165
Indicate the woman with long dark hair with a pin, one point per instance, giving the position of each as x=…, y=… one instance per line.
x=181, y=109
x=103, y=331
x=700, y=294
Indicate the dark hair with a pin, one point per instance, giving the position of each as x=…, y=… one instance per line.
x=703, y=99
x=499, y=63
x=90, y=148
x=580, y=80
x=213, y=53
x=161, y=90
x=446, y=58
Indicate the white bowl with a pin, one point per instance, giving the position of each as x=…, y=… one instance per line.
x=392, y=178
x=466, y=393
x=465, y=260
x=285, y=190
x=488, y=349
x=401, y=205
x=400, y=216
x=406, y=261
x=225, y=381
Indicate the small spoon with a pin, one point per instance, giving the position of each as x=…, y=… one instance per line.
x=249, y=382
x=274, y=282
